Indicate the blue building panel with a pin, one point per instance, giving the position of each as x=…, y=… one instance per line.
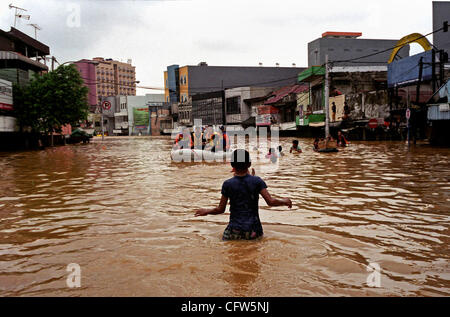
x=406, y=70
x=172, y=80
x=435, y=113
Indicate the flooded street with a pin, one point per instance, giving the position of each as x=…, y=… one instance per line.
x=125, y=213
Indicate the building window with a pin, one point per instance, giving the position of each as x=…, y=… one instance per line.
x=234, y=105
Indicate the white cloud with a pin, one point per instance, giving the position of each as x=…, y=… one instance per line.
x=155, y=34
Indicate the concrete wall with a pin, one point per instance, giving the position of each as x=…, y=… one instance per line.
x=8, y=124
x=441, y=13
x=368, y=105
x=140, y=102
x=345, y=48
x=88, y=73
x=212, y=78
x=245, y=93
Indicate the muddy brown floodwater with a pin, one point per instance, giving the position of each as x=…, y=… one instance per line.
x=123, y=212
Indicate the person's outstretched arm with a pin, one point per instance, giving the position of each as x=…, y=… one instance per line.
x=214, y=211
x=272, y=202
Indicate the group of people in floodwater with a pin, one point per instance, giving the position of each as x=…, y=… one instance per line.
x=203, y=138
x=244, y=188
x=330, y=142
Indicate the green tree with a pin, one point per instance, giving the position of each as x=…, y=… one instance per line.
x=51, y=101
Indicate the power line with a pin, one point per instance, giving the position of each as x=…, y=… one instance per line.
x=388, y=49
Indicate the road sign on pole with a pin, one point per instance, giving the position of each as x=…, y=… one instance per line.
x=106, y=105
x=408, y=115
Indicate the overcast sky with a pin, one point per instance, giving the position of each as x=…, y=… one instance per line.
x=155, y=34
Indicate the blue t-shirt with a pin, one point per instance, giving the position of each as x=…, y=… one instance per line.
x=243, y=192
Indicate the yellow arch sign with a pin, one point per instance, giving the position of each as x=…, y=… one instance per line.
x=412, y=38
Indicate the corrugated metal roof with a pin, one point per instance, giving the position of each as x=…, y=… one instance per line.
x=435, y=113
x=284, y=91
x=311, y=73
x=16, y=56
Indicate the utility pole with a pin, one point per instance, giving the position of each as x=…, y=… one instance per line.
x=327, y=99
x=224, y=107
x=433, y=70
x=419, y=81
x=441, y=67
x=408, y=114
x=103, y=130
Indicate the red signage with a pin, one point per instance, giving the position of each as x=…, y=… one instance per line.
x=373, y=123
x=6, y=106
x=267, y=110
x=408, y=114
x=106, y=105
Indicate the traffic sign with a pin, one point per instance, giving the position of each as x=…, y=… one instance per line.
x=408, y=114
x=373, y=123
x=106, y=105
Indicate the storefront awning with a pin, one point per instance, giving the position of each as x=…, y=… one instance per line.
x=311, y=73
x=13, y=56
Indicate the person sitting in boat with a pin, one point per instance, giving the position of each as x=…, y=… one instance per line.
x=243, y=191
x=295, y=147
x=316, y=144
x=183, y=140
x=341, y=140
x=208, y=133
x=330, y=143
x=198, y=141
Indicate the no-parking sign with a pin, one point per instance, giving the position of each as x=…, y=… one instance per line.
x=106, y=105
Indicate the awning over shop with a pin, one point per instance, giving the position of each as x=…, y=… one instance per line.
x=311, y=74
x=13, y=57
x=283, y=92
x=267, y=109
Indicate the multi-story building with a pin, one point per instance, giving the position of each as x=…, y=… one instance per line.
x=180, y=83
x=87, y=69
x=346, y=46
x=148, y=115
x=441, y=13
x=20, y=59
x=20, y=56
x=107, y=77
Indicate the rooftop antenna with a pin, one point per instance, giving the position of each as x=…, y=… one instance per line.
x=18, y=14
x=36, y=27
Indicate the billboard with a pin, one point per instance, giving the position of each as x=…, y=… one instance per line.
x=141, y=117
x=406, y=71
x=267, y=115
x=6, y=95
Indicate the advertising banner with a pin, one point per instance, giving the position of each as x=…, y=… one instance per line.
x=6, y=95
x=141, y=117
x=267, y=115
x=406, y=70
